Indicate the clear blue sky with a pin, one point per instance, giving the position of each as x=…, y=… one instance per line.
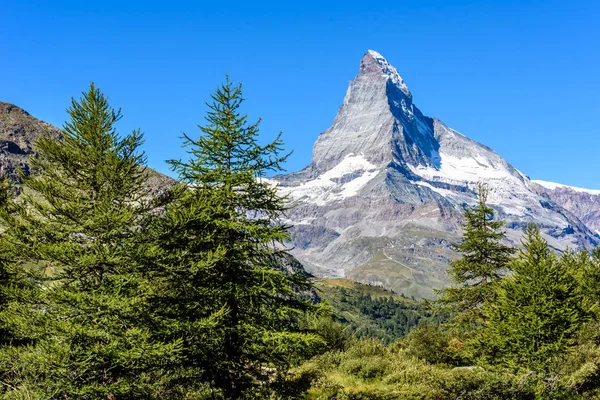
x=522, y=77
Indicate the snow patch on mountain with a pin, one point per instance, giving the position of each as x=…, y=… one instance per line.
x=554, y=185
x=342, y=181
x=443, y=192
x=467, y=169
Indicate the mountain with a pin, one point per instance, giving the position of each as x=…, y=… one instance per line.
x=18, y=132
x=381, y=201
x=583, y=203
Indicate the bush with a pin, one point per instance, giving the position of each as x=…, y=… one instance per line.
x=435, y=344
x=336, y=336
x=370, y=370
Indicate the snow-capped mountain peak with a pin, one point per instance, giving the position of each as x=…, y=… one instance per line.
x=382, y=199
x=382, y=65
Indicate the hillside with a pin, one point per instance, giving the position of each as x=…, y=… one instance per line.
x=583, y=203
x=371, y=311
x=19, y=131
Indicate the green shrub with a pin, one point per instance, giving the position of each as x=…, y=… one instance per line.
x=370, y=370
x=336, y=335
x=366, y=368
x=435, y=344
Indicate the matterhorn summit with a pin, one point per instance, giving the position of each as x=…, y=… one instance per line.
x=381, y=201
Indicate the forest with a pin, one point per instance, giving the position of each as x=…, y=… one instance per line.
x=111, y=291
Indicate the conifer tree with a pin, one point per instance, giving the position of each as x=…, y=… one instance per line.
x=182, y=253
x=537, y=311
x=12, y=276
x=227, y=232
x=6, y=275
x=80, y=219
x=585, y=268
x=483, y=260
x=7, y=280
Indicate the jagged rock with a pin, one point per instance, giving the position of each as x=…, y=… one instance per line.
x=583, y=203
x=382, y=199
x=18, y=133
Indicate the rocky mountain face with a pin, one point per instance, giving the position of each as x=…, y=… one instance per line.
x=583, y=203
x=381, y=201
x=18, y=134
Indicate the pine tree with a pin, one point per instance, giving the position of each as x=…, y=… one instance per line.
x=537, y=311
x=6, y=275
x=16, y=282
x=182, y=256
x=5, y=282
x=585, y=268
x=483, y=260
x=227, y=232
x=80, y=219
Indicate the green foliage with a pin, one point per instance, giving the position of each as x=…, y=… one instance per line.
x=585, y=269
x=437, y=344
x=371, y=312
x=538, y=310
x=483, y=261
x=335, y=334
x=216, y=257
x=7, y=275
x=370, y=370
x=80, y=220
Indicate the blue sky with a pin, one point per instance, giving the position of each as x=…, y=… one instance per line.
x=522, y=77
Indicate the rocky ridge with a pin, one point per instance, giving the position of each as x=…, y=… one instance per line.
x=583, y=203
x=381, y=201
x=18, y=133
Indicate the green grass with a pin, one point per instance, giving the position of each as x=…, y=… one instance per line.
x=369, y=370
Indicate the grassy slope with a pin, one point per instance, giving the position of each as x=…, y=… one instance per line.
x=370, y=370
x=413, y=264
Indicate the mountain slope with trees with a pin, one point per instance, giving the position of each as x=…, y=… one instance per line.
x=373, y=312
x=534, y=335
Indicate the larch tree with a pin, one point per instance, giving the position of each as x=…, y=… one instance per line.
x=537, y=312
x=80, y=220
x=225, y=272
x=482, y=263
x=7, y=276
